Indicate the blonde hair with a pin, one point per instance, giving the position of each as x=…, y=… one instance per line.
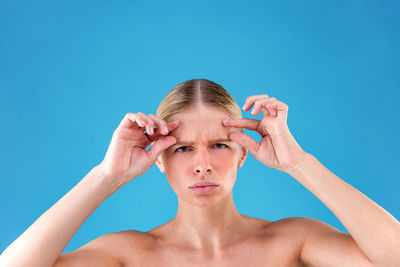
x=195, y=92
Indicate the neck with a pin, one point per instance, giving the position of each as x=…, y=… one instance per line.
x=208, y=228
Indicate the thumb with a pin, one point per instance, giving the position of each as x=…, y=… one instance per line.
x=158, y=146
x=246, y=141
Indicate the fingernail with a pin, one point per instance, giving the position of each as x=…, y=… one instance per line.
x=165, y=129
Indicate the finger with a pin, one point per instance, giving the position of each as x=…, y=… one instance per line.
x=246, y=141
x=148, y=122
x=170, y=126
x=251, y=99
x=279, y=105
x=281, y=108
x=247, y=123
x=269, y=110
x=160, y=145
x=130, y=120
x=161, y=125
x=141, y=120
x=261, y=103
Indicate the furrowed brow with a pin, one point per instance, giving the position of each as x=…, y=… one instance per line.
x=186, y=143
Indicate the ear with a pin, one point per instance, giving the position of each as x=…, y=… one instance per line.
x=160, y=164
x=243, y=157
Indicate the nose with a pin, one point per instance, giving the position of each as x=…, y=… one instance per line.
x=202, y=164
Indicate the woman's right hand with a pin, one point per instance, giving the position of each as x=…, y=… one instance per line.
x=126, y=157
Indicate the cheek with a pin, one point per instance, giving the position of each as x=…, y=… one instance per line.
x=225, y=157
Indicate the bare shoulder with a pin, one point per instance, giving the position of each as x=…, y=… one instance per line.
x=282, y=240
x=303, y=225
x=299, y=229
x=131, y=247
x=324, y=244
x=107, y=250
x=285, y=238
x=123, y=242
x=289, y=225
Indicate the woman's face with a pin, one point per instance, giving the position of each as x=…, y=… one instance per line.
x=202, y=152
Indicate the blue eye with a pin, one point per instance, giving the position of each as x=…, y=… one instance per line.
x=177, y=150
x=185, y=148
x=224, y=146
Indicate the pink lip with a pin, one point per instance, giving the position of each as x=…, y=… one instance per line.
x=205, y=183
x=204, y=189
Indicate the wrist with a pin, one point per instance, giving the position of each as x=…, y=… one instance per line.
x=299, y=163
x=107, y=178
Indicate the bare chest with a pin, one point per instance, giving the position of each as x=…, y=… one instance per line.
x=249, y=254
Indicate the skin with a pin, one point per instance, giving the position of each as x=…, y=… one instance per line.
x=204, y=222
x=208, y=230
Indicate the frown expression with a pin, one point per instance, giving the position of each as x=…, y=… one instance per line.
x=203, y=152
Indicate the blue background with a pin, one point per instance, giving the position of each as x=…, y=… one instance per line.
x=70, y=71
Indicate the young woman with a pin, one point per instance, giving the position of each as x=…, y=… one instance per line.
x=199, y=143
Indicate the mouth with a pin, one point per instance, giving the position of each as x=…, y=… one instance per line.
x=203, y=184
x=204, y=189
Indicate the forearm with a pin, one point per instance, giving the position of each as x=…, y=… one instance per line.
x=43, y=242
x=375, y=230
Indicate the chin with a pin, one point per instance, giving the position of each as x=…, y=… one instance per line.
x=205, y=202
x=207, y=199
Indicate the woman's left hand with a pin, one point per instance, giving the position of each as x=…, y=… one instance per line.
x=278, y=148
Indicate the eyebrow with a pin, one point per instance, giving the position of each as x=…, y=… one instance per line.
x=183, y=142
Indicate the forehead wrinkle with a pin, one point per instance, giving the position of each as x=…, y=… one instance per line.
x=178, y=133
x=192, y=123
x=191, y=135
x=184, y=142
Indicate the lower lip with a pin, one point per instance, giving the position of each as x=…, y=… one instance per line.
x=204, y=189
